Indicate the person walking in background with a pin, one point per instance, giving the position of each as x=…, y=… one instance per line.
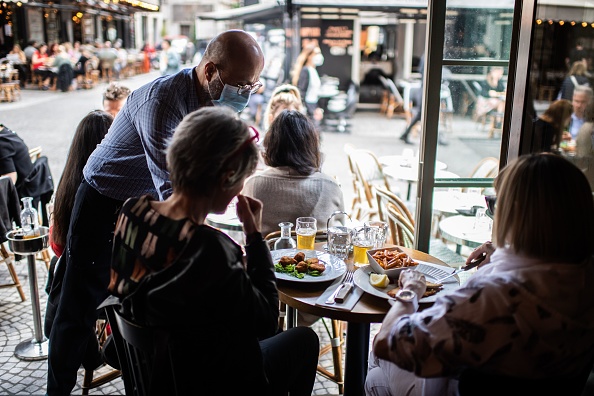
x=169, y=59
x=211, y=154
x=576, y=77
x=307, y=79
x=535, y=285
x=549, y=127
x=131, y=162
x=582, y=97
x=292, y=152
x=114, y=97
x=418, y=100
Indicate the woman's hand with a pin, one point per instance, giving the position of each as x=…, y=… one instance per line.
x=249, y=212
x=486, y=248
x=413, y=280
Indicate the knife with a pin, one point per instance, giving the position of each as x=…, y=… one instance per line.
x=343, y=292
x=332, y=298
x=471, y=265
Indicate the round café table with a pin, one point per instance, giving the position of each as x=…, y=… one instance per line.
x=446, y=202
x=460, y=230
x=407, y=162
x=410, y=175
x=369, y=309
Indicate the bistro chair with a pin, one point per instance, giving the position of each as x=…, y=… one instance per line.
x=9, y=211
x=402, y=230
x=336, y=333
x=367, y=173
x=486, y=168
x=91, y=382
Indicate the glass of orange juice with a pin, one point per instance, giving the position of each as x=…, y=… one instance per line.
x=306, y=233
x=362, y=242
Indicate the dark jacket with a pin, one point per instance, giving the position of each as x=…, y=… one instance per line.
x=65, y=77
x=10, y=209
x=215, y=312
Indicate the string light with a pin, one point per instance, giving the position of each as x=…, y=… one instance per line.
x=584, y=24
x=561, y=23
x=538, y=21
x=572, y=23
x=550, y=21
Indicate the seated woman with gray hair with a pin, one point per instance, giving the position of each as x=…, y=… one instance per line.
x=172, y=270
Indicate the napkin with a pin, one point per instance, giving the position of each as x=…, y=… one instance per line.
x=348, y=304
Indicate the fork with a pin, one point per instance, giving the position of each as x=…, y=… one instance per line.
x=347, y=282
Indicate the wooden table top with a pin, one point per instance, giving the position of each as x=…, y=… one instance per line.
x=369, y=309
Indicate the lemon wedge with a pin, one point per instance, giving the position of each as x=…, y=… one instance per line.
x=379, y=280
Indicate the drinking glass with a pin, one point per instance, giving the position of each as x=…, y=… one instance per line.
x=378, y=232
x=306, y=233
x=339, y=241
x=482, y=222
x=362, y=242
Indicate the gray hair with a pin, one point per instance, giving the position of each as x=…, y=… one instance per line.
x=206, y=144
x=584, y=89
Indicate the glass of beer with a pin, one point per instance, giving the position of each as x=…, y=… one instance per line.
x=306, y=233
x=362, y=242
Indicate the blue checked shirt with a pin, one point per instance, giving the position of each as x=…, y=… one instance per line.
x=130, y=161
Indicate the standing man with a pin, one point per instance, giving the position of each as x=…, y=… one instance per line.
x=130, y=162
x=582, y=96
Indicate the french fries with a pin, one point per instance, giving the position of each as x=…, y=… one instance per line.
x=389, y=259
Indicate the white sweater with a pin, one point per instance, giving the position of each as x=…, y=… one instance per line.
x=287, y=195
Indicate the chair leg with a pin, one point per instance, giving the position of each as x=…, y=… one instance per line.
x=45, y=256
x=336, y=343
x=15, y=278
x=87, y=380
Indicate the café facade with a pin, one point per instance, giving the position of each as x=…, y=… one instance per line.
x=86, y=21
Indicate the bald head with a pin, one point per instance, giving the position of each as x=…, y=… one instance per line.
x=235, y=49
x=233, y=58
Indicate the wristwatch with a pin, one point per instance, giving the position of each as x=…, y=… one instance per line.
x=407, y=296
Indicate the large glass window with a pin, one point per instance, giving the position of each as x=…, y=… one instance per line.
x=561, y=79
x=463, y=128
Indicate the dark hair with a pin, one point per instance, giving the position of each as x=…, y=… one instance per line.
x=292, y=140
x=167, y=41
x=88, y=135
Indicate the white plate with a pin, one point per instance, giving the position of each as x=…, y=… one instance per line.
x=361, y=279
x=335, y=267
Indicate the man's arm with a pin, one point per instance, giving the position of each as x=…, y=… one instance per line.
x=156, y=122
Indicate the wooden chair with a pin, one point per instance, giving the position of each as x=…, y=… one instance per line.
x=392, y=101
x=35, y=153
x=385, y=196
x=368, y=173
x=487, y=167
x=336, y=333
x=89, y=382
x=403, y=231
x=8, y=259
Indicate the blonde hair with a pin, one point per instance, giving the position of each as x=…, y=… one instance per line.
x=284, y=97
x=301, y=61
x=578, y=68
x=544, y=209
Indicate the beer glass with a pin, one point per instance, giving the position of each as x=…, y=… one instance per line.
x=378, y=232
x=362, y=242
x=306, y=233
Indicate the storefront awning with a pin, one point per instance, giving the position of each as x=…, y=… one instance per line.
x=370, y=5
x=247, y=12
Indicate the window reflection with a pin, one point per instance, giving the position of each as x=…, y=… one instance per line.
x=561, y=81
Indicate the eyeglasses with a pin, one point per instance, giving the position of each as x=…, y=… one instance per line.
x=241, y=89
x=255, y=137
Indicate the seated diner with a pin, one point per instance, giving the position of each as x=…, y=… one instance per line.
x=179, y=274
x=526, y=316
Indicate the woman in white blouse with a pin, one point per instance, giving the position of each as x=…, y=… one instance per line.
x=528, y=312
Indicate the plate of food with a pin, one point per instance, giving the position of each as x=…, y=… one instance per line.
x=300, y=265
x=365, y=276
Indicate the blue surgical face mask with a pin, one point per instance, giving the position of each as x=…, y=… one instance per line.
x=231, y=98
